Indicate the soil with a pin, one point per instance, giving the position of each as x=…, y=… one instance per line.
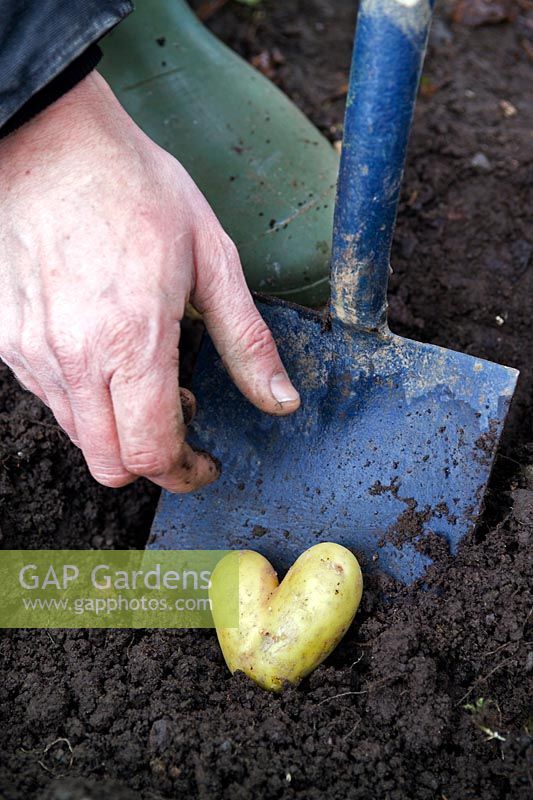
x=427, y=698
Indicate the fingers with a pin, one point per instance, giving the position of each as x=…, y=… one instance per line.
x=151, y=429
x=98, y=438
x=188, y=405
x=106, y=434
x=134, y=427
x=238, y=331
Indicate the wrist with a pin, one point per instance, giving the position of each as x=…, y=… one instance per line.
x=75, y=72
x=73, y=122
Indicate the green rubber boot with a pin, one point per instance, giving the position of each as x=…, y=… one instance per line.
x=267, y=172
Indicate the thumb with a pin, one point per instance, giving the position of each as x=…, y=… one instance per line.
x=237, y=329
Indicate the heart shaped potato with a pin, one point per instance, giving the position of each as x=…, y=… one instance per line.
x=286, y=630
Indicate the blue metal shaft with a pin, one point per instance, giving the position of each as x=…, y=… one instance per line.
x=387, y=61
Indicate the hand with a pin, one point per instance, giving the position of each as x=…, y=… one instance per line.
x=104, y=238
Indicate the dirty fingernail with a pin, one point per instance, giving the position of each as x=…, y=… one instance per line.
x=188, y=405
x=282, y=389
x=213, y=464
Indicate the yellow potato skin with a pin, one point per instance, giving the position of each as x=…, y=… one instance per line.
x=286, y=630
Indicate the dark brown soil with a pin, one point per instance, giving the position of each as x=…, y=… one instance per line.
x=396, y=713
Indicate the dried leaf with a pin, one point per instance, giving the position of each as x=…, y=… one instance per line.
x=474, y=13
x=508, y=109
x=267, y=62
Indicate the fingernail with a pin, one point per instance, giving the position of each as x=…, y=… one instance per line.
x=188, y=406
x=282, y=389
x=215, y=467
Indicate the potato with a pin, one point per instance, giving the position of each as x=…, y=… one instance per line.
x=286, y=630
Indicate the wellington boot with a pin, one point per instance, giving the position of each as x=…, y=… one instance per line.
x=267, y=172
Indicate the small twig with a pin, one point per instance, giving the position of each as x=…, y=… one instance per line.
x=56, y=741
x=501, y=647
x=336, y=696
x=357, y=662
x=131, y=641
x=485, y=678
x=508, y=458
x=48, y=747
x=382, y=682
x=351, y=731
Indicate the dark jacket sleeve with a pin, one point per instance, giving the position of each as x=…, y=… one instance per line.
x=45, y=47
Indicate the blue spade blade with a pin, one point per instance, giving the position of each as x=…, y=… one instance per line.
x=394, y=439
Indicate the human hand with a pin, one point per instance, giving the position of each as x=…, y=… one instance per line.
x=104, y=238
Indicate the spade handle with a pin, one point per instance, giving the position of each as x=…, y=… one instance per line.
x=390, y=44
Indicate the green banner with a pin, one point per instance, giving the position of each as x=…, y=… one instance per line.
x=113, y=589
